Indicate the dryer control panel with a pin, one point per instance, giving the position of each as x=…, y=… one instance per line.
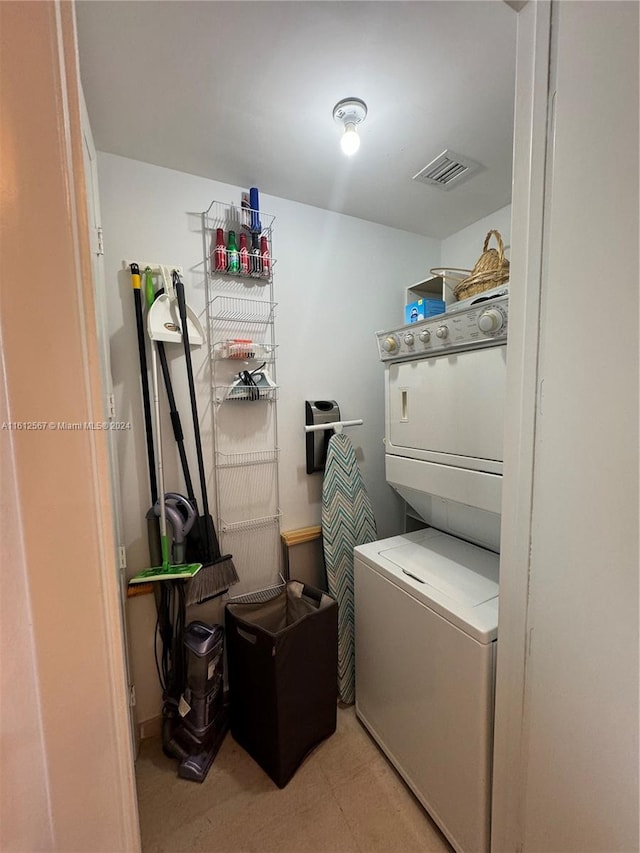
x=483, y=324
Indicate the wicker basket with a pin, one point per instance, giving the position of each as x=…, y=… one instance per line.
x=491, y=270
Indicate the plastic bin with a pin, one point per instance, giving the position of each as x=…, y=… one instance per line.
x=282, y=658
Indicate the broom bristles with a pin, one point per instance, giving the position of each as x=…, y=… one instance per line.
x=212, y=580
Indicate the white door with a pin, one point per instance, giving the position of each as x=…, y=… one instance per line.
x=566, y=758
x=97, y=260
x=581, y=789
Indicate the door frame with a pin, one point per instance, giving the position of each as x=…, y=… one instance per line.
x=70, y=631
x=532, y=136
x=102, y=328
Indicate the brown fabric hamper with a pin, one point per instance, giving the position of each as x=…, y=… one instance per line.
x=491, y=270
x=282, y=660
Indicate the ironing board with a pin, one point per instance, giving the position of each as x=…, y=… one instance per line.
x=347, y=521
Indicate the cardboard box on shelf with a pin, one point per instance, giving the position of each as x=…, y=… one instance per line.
x=422, y=309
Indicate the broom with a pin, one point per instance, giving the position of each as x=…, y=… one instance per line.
x=218, y=571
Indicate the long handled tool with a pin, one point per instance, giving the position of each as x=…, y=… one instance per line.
x=220, y=572
x=153, y=532
x=167, y=570
x=162, y=319
x=201, y=544
x=151, y=297
x=142, y=356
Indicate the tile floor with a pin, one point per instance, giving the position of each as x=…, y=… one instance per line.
x=345, y=798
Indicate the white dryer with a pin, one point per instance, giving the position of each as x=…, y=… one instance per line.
x=426, y=603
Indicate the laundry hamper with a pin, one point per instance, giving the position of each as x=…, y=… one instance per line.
x=282, y=658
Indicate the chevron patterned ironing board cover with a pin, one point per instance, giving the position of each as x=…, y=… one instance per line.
x=347, y=521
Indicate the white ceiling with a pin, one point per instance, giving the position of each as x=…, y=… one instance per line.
x=243, y=92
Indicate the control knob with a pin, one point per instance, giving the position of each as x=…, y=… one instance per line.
x=425, y=335
x=408, y=339
x=490, y=321
x=390, y=344
x=442, y=332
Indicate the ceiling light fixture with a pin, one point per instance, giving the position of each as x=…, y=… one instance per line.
x=349, y=113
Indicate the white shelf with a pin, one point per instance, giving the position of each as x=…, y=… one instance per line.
x=235, y=349
x=435, y=287
x=245, y=393
x=246, y=277
x=237, y=310
x=241, y=313
x=250, y=524
x=231, y=217
x=239, y=460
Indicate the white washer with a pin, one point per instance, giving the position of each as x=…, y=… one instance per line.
x=426, y=628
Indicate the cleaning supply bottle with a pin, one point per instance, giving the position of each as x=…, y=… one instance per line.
x=233, y=256
x=244, y=255
x=245, y=207
x=256, y=260
x=220, y=252
x=265, y=257
x=256, y=226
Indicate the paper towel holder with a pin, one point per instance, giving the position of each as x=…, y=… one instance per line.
x=317, y=414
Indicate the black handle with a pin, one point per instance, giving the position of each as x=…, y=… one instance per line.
x=144, y=381
x=175, y=421
x=313, y=593
x=182, y=308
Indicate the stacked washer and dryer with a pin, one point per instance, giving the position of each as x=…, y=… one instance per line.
x=426, y=602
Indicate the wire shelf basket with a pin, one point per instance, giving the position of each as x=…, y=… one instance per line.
x=248, y=277
x=249, y=524
x=238, y=460
x=256, y=226
x=241, y=325
x=260, y=596
x=243, y=350
x=246, y=393
x=239, y=310
x=232, y=217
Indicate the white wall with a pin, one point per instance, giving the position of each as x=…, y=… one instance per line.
x=337, y=281
x=463, y=248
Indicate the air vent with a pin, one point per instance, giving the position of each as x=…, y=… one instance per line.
x=447, y=170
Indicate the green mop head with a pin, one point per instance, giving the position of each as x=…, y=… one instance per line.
x=167, y=571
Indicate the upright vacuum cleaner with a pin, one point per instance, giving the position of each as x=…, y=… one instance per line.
x=190, y=670
x=195, y=734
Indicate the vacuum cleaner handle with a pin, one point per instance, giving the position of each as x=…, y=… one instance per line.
x=175, y=421
x=175, y=499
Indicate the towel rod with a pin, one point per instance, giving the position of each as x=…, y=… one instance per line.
x=336, y=426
